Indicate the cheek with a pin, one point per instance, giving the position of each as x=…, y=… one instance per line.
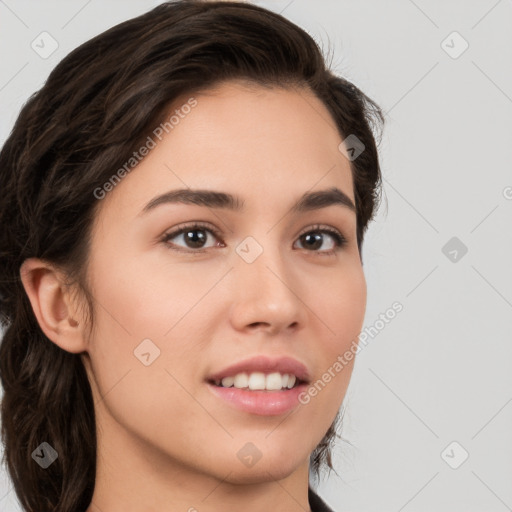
x=342, y=308
x=151, y=313
x=146, y=399
x=146, y=300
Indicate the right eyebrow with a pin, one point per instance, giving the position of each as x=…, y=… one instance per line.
x=208, y=198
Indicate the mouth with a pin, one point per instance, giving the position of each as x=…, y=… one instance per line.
x=247, y=393
x=261, y=385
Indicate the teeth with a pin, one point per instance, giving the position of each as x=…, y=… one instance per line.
x=275, y=381
x=241, y=380
x=227, y=382
x=259, y=381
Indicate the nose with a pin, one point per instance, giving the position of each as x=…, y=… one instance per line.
x=267, y=295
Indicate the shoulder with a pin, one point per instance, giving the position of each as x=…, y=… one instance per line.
x=316, y=503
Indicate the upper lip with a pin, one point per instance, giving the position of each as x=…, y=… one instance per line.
x=265, y=365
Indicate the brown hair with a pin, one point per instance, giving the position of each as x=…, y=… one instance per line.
x=95, y=108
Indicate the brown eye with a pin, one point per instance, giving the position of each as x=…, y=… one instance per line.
x=315, y=239
x=191, y=237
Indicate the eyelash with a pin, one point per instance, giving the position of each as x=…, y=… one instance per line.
x=339, y=239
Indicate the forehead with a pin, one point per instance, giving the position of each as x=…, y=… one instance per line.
x=264, y=144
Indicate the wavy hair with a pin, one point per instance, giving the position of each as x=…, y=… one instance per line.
x=93, y=111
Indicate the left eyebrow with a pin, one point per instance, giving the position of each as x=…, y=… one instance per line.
x=214, y=199
x=323, y=199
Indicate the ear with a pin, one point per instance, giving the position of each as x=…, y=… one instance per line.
x=52, y=305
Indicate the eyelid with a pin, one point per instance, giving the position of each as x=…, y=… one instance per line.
x=194, y=224
x=321, y=227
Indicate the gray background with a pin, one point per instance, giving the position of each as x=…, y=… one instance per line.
x=439, y=372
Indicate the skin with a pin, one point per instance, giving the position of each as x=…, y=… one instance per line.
x=164, y=441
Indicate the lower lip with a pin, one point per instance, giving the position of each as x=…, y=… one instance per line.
x=265, y=403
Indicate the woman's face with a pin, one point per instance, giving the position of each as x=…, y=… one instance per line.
x=262, y=279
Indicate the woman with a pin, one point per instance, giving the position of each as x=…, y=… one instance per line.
x=184, y=206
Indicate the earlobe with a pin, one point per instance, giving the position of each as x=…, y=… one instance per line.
x=53, y=309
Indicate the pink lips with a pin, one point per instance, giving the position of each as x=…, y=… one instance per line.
x=265, y=365
x=262, y=402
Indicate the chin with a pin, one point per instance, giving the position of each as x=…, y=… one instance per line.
x=262, y=472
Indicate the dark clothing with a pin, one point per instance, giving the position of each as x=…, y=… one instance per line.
x=316, y=503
